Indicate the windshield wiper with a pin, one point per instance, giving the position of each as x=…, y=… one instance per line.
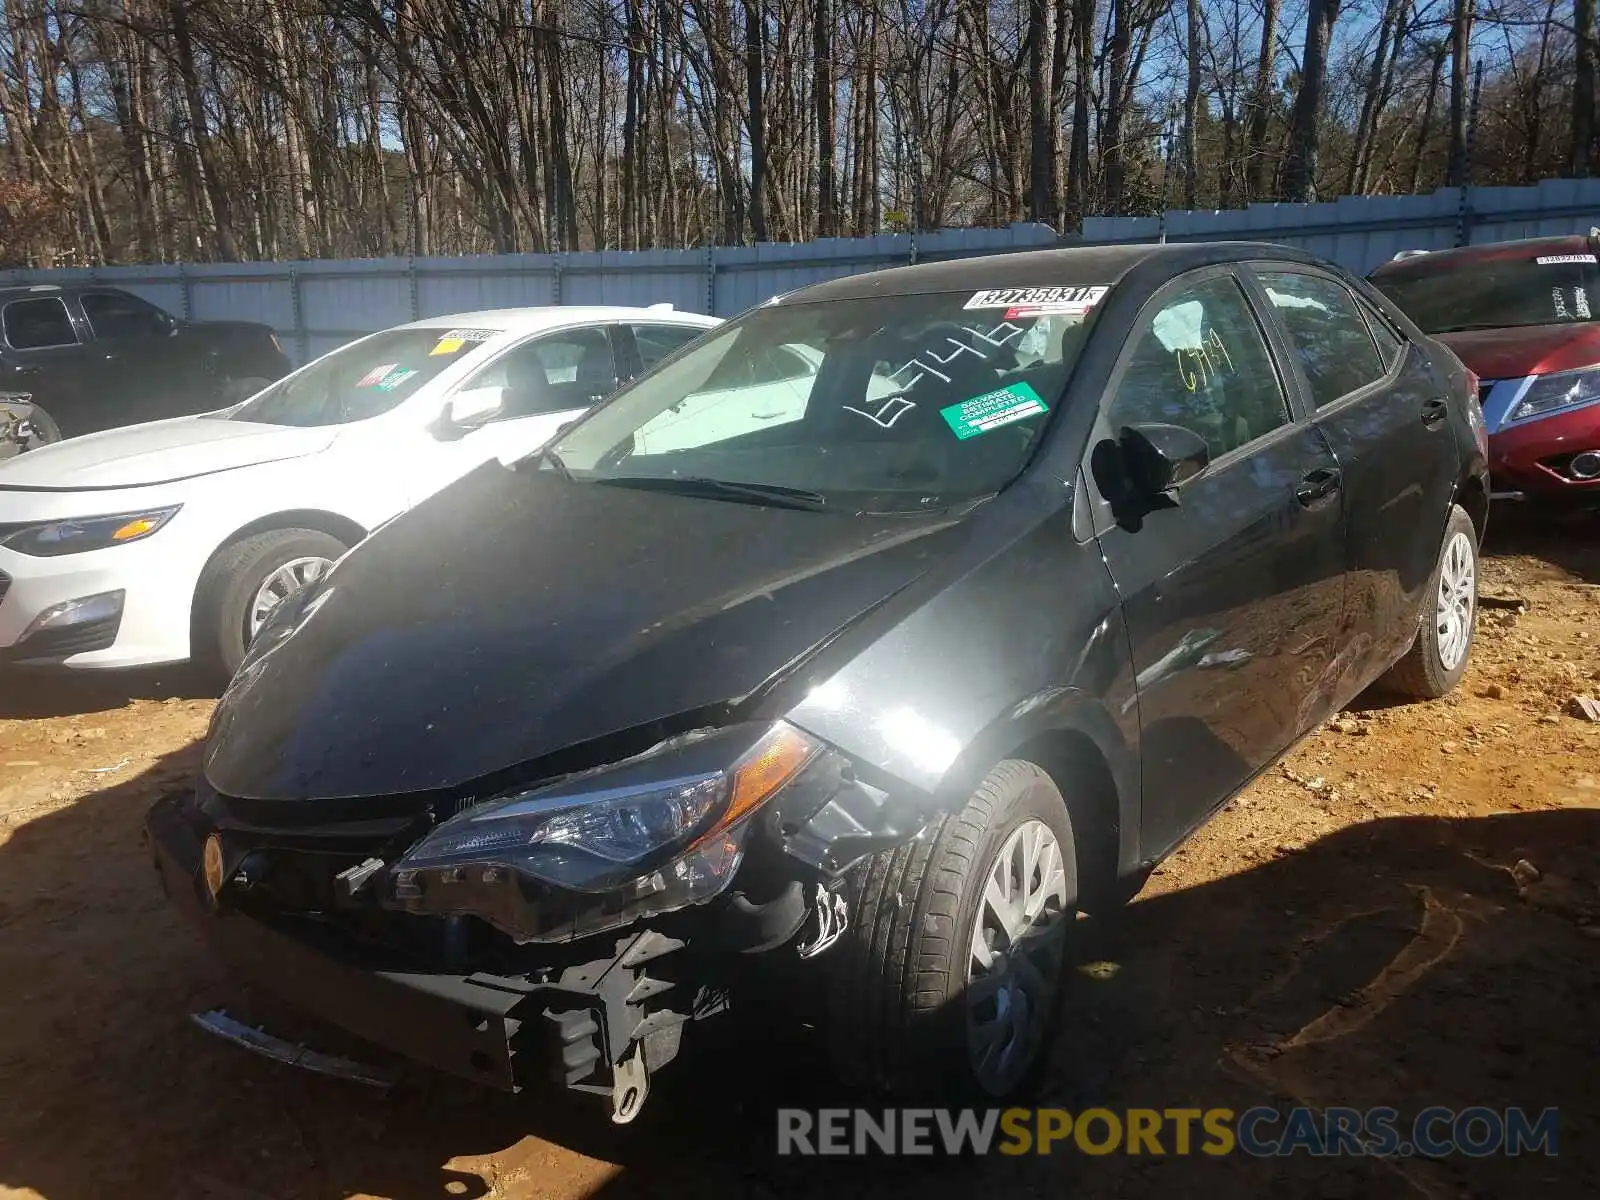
x=1481, y=325
x=548, y=455
x=721, y=489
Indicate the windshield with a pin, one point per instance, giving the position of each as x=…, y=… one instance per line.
x=1498, y=293
x=903, y=404
x=364, y=379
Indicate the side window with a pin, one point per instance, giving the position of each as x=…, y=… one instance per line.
x=39, y=324
x=655, y=342
x=760, y=366
x=556, y=373
x=1389, y=342
x=1202, y=362
x=1329, y=333
x=120, y=315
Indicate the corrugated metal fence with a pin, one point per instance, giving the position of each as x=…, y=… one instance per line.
x=1360, y=232
x=316, y=306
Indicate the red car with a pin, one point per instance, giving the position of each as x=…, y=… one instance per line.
x=1522, y=317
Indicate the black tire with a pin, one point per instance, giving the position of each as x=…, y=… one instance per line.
x=897, y=1008
x=229, y=584
x=1422, y=673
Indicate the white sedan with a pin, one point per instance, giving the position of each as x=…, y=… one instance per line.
x=175, y=540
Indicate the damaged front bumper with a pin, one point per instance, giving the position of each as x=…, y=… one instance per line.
x=599, y=1014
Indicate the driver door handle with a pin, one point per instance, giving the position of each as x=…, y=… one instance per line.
x=1434, y=411
x=1316, y=486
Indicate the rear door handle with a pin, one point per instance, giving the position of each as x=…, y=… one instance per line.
x=1434, y=411
x=1317, y=486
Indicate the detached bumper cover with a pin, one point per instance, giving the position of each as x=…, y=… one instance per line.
x=569, y=1023
x=459, y=1024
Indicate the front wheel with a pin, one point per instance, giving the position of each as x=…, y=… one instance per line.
x=1438, y=658
x=246, y=581
x=949, y=977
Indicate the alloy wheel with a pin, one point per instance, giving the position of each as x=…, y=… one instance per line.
x=279, y=586
x=1458, y=597
x=1014, y=961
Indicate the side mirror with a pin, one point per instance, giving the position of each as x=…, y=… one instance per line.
x=1160, y=457
x=474, y=407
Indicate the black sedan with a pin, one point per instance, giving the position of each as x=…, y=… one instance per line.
x=92, y=357
x=848, y=652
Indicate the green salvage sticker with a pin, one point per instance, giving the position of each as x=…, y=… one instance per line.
x=993, y=409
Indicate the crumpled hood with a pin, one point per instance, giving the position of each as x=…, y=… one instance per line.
x=516, y=614
x=1530, y=350
x=158, y=452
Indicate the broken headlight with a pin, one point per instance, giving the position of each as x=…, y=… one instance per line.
x=670, y=821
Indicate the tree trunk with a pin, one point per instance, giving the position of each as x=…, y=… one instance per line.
x=1191, y=108
x=1112, y=155
x=822, y=97
x=1260, y=173
x=1371, y=98
x=1460, y=70
x=1078, y=159
x=227, y=249
x=1580, y=152
x=754, y=64
x=1441, y=50
x=1041, y=41
x=1305, y=123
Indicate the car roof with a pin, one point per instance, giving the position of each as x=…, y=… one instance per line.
x=14, y=291
x=1434, y=262
x=530, y=320
x=1070, y=266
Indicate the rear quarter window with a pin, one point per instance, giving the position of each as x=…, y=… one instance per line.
x=38, y=324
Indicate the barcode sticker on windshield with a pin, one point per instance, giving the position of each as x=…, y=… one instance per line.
x=469, y=335
x=1039, y=301
x=1554, y=260
x=992, y=410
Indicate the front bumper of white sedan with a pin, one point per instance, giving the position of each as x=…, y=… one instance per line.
x=124, y=606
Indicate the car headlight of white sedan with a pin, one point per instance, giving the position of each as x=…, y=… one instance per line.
x=78, y=535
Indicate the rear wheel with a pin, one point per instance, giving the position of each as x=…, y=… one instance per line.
x=1438, y=658
x=244, y=584
x=950, y=975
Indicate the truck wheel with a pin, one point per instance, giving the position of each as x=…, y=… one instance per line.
x=949, y=977
x=245, y=581
x=1438, y=658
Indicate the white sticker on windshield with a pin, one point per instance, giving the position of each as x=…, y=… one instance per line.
x=1554, y=260
x=1580, y=301
x=1560, y=302
x=1039, y=301
x=468, y=335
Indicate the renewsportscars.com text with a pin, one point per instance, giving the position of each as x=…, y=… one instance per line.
x=1436, y=1132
